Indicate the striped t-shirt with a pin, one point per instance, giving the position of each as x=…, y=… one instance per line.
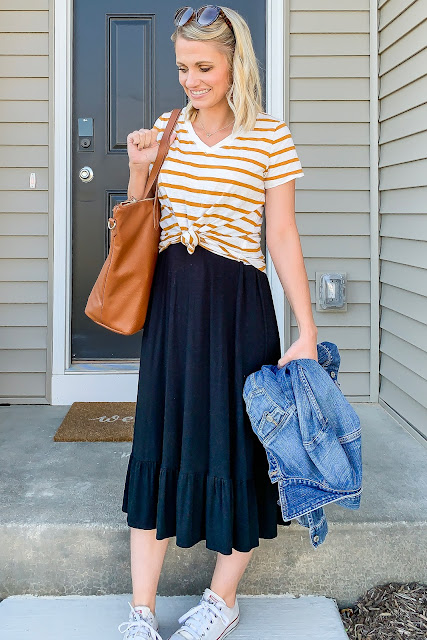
x=215, y=196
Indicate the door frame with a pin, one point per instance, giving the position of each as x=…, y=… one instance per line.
x=97, y=382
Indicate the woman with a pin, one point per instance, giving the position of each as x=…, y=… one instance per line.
x=197, y=471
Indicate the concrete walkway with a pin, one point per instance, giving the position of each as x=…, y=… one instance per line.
x=97, y=617
x=62, y=530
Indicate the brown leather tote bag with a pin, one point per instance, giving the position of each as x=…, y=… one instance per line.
x=119, y=298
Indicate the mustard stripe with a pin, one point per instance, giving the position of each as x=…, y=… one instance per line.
x=223, y=250
x=187, y=216
x=219, y=166
x=215, y=216
x=244, y=233
x=252, y=222
x=214, y=179
x=234, y=246
x=184, y=216
x=276, y=153
x=207, y=192
x=282, y=138
x=242, y=237
x=283, y=175
x=171, y=226
x=185, y=141
x=256, y=139
x=169, y=216
x=280, y=164
x=210, y=206
x=218, y=216
x=175, y=235
x=226, y=146
x=214, y=155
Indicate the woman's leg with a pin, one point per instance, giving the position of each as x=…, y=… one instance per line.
x=228, y=571
x=147, y=555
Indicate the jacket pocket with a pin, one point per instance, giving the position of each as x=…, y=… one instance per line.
x=274, y=421
x=267, y=414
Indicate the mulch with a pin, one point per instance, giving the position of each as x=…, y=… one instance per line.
x=388, y=612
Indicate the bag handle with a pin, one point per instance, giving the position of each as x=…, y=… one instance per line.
x=162, y=151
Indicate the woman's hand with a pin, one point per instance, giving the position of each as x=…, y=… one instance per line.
x=142, y=146
x=304, y=347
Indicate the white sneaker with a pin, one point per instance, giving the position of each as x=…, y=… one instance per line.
x=142, y=624
x=211, y=619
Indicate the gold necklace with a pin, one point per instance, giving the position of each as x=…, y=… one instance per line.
x=211, y=134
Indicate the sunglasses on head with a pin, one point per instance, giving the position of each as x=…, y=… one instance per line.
x=204, y=16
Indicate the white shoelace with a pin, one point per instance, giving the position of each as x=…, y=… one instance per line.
x=200, y=616
x=139, y=625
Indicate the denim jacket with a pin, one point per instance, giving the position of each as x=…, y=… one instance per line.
x=311, y=435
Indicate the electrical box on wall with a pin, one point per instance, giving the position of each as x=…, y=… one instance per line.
x=331, y=291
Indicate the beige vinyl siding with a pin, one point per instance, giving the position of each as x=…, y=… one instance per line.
x=24, y=103
x=403, y=208
x=329, y=120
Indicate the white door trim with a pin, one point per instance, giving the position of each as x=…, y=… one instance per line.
x=277, y=69
x=98, y=383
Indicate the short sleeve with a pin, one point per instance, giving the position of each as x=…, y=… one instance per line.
x=283, y=163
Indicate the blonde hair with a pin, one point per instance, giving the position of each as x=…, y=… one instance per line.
x=245, y=93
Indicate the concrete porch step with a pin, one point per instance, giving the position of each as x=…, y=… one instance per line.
x=62, y=530
x=90, y=617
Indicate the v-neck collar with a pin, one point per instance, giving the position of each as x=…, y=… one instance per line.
x=202, y=145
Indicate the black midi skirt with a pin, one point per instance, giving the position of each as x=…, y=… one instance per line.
x=197, y=470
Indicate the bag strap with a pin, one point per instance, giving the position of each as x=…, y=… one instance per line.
x=161, y=152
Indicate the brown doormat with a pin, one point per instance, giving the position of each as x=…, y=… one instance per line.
x=97, y=422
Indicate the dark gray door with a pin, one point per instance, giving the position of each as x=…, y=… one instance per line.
x=124, y=77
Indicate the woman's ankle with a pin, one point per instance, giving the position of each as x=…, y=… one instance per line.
x=229, y=598
x=140, y=603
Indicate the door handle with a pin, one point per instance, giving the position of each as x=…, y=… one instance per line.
x=86, y=174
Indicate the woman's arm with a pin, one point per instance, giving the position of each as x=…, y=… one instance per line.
x=142, y=147
x=284, y=245
x=138, y=176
